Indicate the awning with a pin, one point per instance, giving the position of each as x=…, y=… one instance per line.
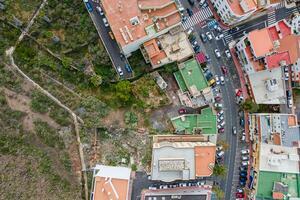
x=200, y=57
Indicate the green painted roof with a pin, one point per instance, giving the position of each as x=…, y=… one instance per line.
x=189, y=74
x=267, y=179
x=206, y=121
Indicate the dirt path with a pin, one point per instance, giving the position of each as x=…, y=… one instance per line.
x=22, y=103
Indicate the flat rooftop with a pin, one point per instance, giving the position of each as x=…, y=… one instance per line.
x=261, y=42
x=268, y=86
x=133, y=20
x=241, y=7
x=206, y=122
x=276, y=158
x=268, y=179
x=190, y=77
x=168, y=48
x=182, y=160
x=281, y=129
x=111, y=183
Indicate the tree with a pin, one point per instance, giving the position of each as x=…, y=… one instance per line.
x=219, y=192
x=96, y=80
x=124, y=92
x=224, y=144
x=66, y=62
x=220, y=170
x=249, y=106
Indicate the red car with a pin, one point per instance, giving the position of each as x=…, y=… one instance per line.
x=182, y=111
x=239, y=195
x=224, y=70
x=217, y=98
x=221, y=130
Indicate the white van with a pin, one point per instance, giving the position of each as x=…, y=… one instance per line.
x=190, y=31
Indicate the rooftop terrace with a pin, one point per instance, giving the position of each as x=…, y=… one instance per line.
x=266, y=184
x=206, y=122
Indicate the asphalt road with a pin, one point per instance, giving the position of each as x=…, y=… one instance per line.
x=111, y=45
x=232, y=156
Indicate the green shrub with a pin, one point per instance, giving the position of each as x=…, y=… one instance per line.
x=39, y=102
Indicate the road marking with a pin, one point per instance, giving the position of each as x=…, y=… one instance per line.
x=198, y=17
x=271, y=17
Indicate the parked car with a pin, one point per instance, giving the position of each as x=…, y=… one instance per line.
x=182, y=111
x=207, y=58
x=289, y=94
x=105, y=22
x=220, y=154
x=189, y=12
x=286, y=69
x=194, y=43
x=191, y=2
x=219, y=148
x=242, y=183
x=245, y=163
x=228, y=54
x=197, y=49
x=243, y=174
x=239, y=195
x=222, y=123
x=219, y=37
x=89, y=6
x=220, y=119
x=128, y=68
x=217, y=79
x=243, y=138
x=290, y=103
x=234, y=130
x=203, y=38
x=209, y=36
x=120, y=71
x=221, y=112
x=224, y=70
x=239, y=190
x=190, y=30
x=217, y=53
x=218, y=98
x=242, y=122
x=184, y=18
x=286, y=76
x=242, y=168
x=243, y=178
x=100, y=11
x=218, y=105
x=222, y=80
x=202, y=2
x=234, y=29
x=245, y=151
x=221, y=130
x=244, y=158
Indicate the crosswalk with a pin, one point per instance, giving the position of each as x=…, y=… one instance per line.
x=280, y=5
x=227, y=37
x=198, y=17
x=293, y=10
x=271, y=17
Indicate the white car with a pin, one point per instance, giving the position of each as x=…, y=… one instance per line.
x=222, y=124
x=243, y=138
x=209, y=35
x=99, y=9
x=219, y=37
x=219, y=148
x=245, y=151
x=220, y=113
x=222, y=80
x=85, y=1
x=290, y=103
x=120, y=71
x=245, y=163
x=220, y=154
x=218, y=105
x=286, y=76
x=217, y=53
x=195, y=43
x=220, y=119
x=244, y=158
x=190, y=31
x=105, y=22
x=217, y=79
x=227, y=53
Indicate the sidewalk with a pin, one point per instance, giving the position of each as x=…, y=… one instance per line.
x=240, y=74
x=216, y=16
